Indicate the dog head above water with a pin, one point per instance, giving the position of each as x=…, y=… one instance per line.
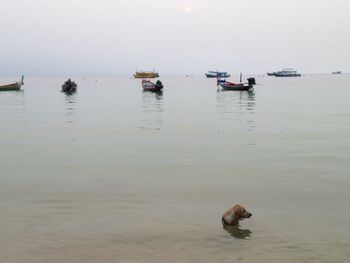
x=234, y=214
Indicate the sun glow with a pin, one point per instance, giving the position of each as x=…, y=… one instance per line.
x=188, y=9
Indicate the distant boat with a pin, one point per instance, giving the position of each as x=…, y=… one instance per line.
x=147, y=85
x=217, y=74
x=226, y=85
x=271, y=73
x=337, y=72
x=69, y=86
x=287, y=72
x=146, y=75
x=12, y=86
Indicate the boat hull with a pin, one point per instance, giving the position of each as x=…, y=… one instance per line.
x=146, y=75
x=239, y=87
x=287, y=76
x=225, y=85
x=211, y=76
x=13, y=86
x=152, y=87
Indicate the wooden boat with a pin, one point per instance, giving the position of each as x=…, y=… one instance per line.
x=12, y=86
x=69, y=86
x=147, y=85
x=226, y=85
x=146, y=75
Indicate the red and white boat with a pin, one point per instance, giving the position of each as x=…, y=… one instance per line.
x=226, y=85
x=147, y=85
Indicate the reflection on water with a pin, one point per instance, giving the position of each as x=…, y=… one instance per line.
x=12, y=107
x=244, y=100
x=70, y=106
x=152, y=110
x=236, y=107
x=237, y=232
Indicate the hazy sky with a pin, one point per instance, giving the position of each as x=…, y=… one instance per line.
x=115, y=37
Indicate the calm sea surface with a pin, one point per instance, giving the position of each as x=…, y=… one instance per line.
x=114, y=174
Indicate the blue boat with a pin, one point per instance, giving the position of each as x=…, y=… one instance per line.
x=217, y=74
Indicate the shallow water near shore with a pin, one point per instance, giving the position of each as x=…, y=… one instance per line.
x=114, y=174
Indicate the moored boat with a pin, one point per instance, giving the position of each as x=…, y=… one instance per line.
x=12, y=86
x=217, y=74
x=147, y=85
x=69, y=86
x=271, y=73
x=336, y=72
x=226, y=85
x=146, y=75
x=287, y=72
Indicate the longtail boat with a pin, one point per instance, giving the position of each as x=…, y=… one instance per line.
x=69, y=86
x=147, y=85
x=12, y=86
x=146, y=75
x=226, y=85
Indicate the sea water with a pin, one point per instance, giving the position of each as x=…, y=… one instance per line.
x=115, y=174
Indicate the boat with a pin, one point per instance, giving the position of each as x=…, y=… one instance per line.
x=217, y=74
x=69, y=86
x=147, y=85
x=12, y=86
x=146, y=75
x=271, y=73
x=226, y=85
x=337, y=72
x=287, y=72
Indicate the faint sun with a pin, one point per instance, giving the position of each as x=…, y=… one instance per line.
x=188, y=9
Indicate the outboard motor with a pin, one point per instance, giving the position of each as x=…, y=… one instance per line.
x=159, y=84
x=251, y=82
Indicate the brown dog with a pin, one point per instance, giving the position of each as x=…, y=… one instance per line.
x=232, y=216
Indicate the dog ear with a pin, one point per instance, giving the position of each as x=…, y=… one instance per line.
x=239, y=210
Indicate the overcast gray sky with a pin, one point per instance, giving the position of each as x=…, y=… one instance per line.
x=115, y=37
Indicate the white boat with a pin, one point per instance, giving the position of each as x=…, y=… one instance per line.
x=217, y=74
x=287, y=72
